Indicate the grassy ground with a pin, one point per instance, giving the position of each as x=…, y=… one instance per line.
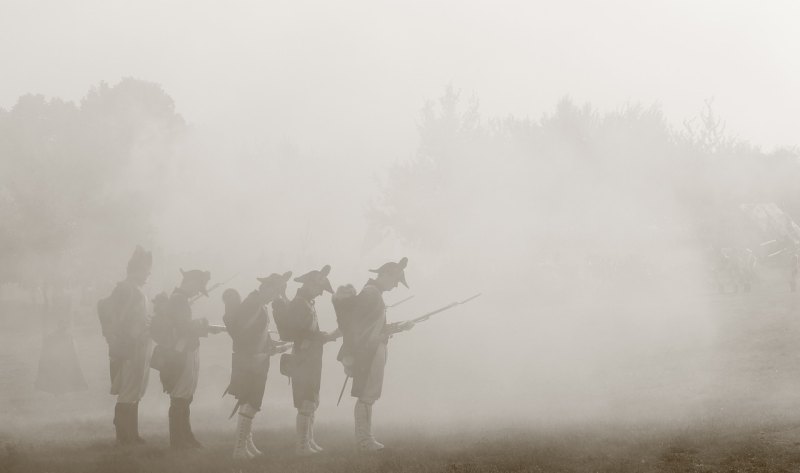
x=749, y=421
x=591, y=449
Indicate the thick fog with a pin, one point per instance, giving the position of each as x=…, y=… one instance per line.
x=570, y=163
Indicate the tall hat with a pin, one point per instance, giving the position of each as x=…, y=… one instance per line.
x=141, y=260
x=396, y=269
x=197, y=275
x=276, y=280
x=317, y=277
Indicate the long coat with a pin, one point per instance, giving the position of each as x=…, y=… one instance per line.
x=180, y=377
x=129, y=372
x=248, y=326
x=366, y=340
x=307, y=350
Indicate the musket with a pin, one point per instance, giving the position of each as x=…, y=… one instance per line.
x=423, y=318
x=280, y=347
x=394, y=327
x=776, y=253
x=215, y=286
x=400, y=302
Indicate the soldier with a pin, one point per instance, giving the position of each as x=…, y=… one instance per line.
x=59, y=368
x=744, y=266
x=794, y=267
x=307, y=355
x=248, y=325
x=123, y=317
x=180, y=375
x=364, y=349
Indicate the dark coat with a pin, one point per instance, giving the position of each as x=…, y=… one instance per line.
x=248, y=326
x=365, y=333
x=184, y=337
x=307, y=350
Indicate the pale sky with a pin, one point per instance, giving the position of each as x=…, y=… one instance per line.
x=354, y=74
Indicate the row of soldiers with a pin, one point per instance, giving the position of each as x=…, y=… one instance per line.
x=736, y=268
x=131, y=334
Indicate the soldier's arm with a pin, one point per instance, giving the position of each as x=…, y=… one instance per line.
x=185, y=325
x=367, y=305
x=238, y=324
x=122, y=302
x=303, y=316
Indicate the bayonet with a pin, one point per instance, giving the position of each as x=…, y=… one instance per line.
x=400, y=302
x=346, y=379
x=396, y=327
x=215, y=286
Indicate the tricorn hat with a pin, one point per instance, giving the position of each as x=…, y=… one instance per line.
x=317, y=277
x=200, y=276
x=141, y=260
x=396, y=269
x=276, y=279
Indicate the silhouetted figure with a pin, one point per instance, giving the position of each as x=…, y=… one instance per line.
x=123, y=316
x=307, y=355
x=247, y=323
x=59, y=369
x=794, y=268
x=364, y=350
x=181, y=348
x=744, y=266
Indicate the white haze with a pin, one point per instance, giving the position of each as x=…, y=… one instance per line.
x=297, y=111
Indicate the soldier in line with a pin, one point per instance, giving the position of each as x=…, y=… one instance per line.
x=59, y=368
x=745, y=263
x=123, y=317
x=247, y=323
x=180, y=377
x=307, y=355
x=366, y=337
x=794, y=267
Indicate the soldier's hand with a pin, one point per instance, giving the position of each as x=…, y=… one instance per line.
x=215, y=329
x=331, y=336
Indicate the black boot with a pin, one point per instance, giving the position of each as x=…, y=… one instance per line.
x=176, y=439
x=187, y=427
x=134, y=424
x=120, y=424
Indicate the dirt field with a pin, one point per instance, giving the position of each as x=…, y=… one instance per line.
x=749, y=422
x=591, y=449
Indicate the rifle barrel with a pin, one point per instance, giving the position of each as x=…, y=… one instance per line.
x=400, y=302
x=215, y=286
x=449, y=306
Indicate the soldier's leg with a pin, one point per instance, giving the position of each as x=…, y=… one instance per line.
x=311, y=442
x=363, y=423
x=181, y=394
x=126, y=418
x=243, y=428
x=134, y=424
x=176, y=437
x=363, y=409
x=121, y=423
x=303, y=426
x=251, y=446
x=187, y=425
x=254, y=398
